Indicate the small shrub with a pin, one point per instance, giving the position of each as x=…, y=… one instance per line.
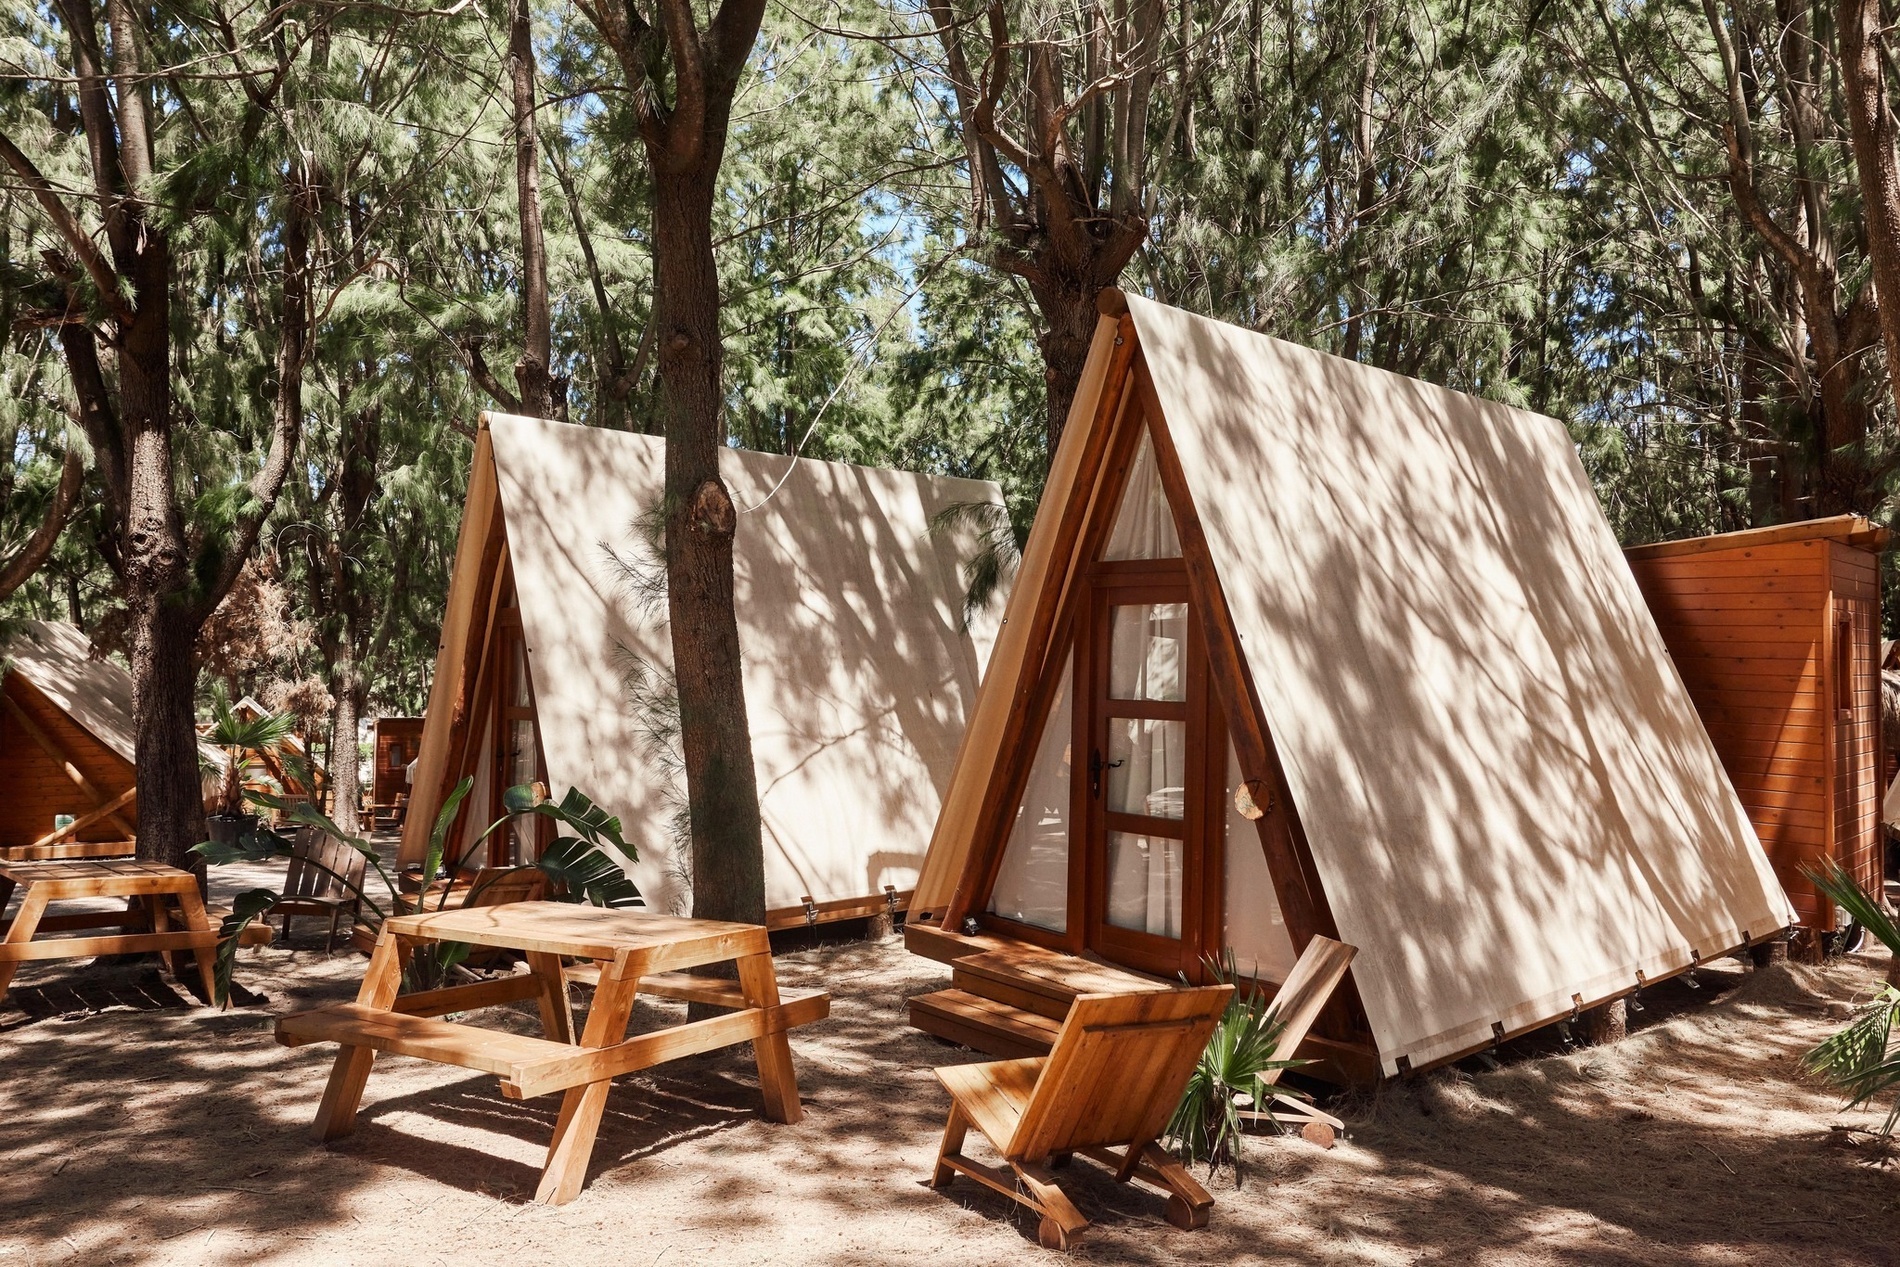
x=1231, y=1076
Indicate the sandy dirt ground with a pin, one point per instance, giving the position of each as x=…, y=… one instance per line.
x=139, y=1127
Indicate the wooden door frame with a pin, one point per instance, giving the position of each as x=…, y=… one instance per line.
x=1125, y=583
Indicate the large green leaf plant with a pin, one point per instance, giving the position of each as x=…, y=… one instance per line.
x=586, y=862
x=1863, y=1060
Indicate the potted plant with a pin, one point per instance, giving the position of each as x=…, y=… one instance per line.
x=241, y=742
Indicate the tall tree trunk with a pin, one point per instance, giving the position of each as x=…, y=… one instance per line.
x=543, y=394
x=165, y=617
x=715, y=737
x=1070, y=314
x=346, y=789
x=1870, y=114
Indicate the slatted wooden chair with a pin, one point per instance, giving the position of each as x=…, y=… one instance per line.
x=490, y=886
x=325, y=878
x=1321, y=967
x=1112, y=1079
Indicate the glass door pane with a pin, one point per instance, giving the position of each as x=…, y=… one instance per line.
x=1144, y=883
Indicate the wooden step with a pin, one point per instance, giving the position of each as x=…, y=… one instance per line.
x=1044, y=981
x=997, y=1029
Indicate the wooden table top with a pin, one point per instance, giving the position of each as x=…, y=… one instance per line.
x=637, y=942
x=82, y=877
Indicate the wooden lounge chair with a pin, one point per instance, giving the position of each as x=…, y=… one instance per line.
x=490, y=886
x=1113, y=1078
x=1321, y=967
x=325, y=878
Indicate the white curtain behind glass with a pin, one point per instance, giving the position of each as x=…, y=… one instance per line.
x=1144, y=883
x=1032, y=885
x=1254, y=927
x=1144, y=527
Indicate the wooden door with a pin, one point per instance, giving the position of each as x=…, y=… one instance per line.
x=1150, y=866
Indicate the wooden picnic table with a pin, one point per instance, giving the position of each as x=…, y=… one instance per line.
x=144, y=922
x=624, y=951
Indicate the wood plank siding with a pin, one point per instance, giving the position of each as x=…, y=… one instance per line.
x=37, y=786
x=1778, y=642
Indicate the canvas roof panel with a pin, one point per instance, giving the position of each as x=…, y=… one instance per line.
x=859, y=671
x=1505, y=787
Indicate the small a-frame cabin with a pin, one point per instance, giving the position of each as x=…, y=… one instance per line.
x=1776, y=632
x=860, y=664
x=1302, y=647
x=66, y=749
x=300, y=778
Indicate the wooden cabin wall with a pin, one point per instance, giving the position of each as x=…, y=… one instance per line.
x=37, y=786
x=1749, y=629
x=386, y=780
x=1856, y=581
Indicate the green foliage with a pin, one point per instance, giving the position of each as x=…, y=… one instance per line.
x=588, y=866
x=1862, y=1061
x=1206, y=1125
x=243, y=741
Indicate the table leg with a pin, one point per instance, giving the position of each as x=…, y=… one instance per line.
x=192, y=907
x=777, y=1082
x=160, y=919
x=336, y=1115
x=581, y=1107
x=32, y=906
x=557, y=1018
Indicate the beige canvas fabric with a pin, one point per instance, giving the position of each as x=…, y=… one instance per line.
x=97, y=694
x=1509, y=796
x=859, y=670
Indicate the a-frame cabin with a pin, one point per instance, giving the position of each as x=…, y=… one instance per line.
x=860, y=664
x=1302, y=647
x=68, y=748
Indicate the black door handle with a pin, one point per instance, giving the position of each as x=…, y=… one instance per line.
x=1096, y=766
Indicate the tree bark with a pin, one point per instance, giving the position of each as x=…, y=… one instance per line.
x=1877, y=162
x=1070, y=313
x=715, y=736
x=39, y=547
x=543, y=393
x=346, y=791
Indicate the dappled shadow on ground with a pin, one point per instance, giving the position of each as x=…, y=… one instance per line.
x=180, y=1135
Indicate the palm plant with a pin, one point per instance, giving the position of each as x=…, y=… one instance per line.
x=581, y=866
x=1863, y=1060
x=1231, y=1076
x=242, y=742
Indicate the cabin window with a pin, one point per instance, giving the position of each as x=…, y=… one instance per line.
x=1144, y=524
x=1032, y=884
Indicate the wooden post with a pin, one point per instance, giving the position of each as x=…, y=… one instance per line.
x=1605, y=1023
x=1774, y=950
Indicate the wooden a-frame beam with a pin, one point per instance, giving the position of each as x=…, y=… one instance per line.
x=997, y=804
x=1289, y=861
x=109, y=810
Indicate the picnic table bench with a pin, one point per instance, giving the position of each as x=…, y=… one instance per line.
x=144, y=924
x=625, y=951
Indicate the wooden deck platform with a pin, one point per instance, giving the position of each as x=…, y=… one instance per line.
x=1008, y=999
